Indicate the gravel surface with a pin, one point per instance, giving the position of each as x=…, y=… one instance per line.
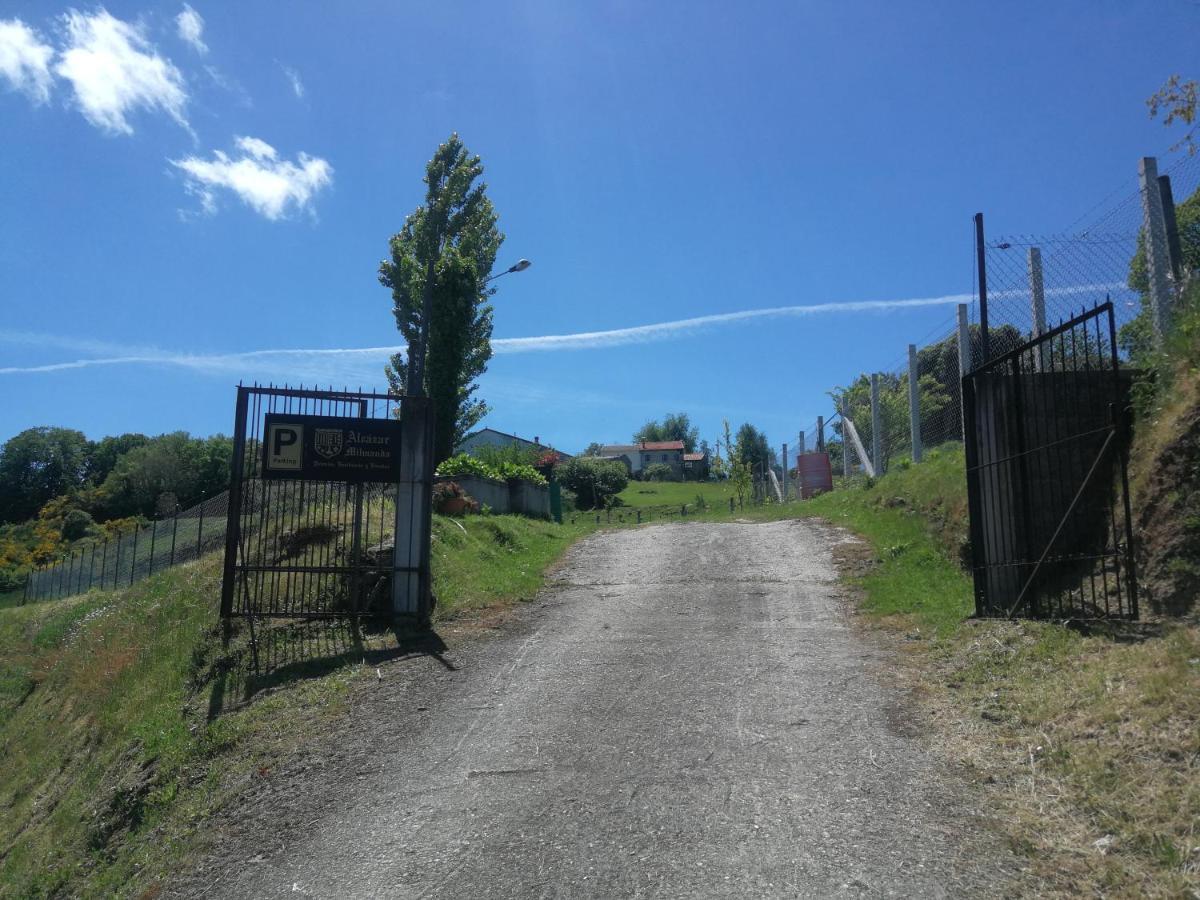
x=687, y=711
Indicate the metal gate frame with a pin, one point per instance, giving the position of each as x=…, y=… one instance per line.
x=1050, y=537
x=303, y=549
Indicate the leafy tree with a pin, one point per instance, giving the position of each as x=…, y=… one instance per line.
x=37, y=465
x=1177, y=101
x=105, y=453
x=740, y=474
x=674, y=427
x=593, y=449
x=595, y=482
x=190, y=468
x=752, y=448
x=894, y=425
x=452, y=238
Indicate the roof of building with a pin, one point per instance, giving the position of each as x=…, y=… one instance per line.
x=661, y=445
x=513, y=437
x=617, y=449
x=694, y=457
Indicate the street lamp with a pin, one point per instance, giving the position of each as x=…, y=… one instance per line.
x=415, y=383
x=520, y=266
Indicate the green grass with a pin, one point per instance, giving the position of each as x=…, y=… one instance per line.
x=128, y=717
x=674, y=494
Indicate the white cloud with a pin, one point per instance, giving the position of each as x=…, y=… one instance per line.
x=25, y=60
x=362, y=363
x=190, y=25
x=293, y=78
x=115, y=70
x=269, y=185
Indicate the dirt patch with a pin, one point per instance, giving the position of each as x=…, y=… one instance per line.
x=1167, y=521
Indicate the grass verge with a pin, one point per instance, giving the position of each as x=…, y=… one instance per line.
x=129, y=717
x=1086, y=741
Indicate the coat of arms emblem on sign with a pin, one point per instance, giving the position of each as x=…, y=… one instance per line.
x=328, y=442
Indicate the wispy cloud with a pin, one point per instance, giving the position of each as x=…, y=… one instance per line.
x=366, y=363
x=267, y=184
x=115, y=70
x=25, y=60
x=293, y=78
x=190, y=26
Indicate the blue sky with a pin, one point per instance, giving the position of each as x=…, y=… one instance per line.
x=183, y=184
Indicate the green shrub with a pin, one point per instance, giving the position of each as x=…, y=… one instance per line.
x=658, y=472
x=595, y=482
x=465, y=464
x=77, y=523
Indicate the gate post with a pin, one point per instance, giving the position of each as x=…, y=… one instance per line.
x=914, y=403
x=234, y=510
x=1037, y=291
x=1158, y=263
x=414, y=514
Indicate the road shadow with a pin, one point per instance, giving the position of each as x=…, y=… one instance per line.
x=261, y=656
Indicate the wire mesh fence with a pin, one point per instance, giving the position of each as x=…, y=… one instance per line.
x=122, y=559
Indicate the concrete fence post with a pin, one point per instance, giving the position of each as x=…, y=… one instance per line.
x=1037, y=294
x=964, y=362
x=876, y=442
x=914, y=402
x=784, y=486
x=1158, y=260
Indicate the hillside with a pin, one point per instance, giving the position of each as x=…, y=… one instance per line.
x=128, y=717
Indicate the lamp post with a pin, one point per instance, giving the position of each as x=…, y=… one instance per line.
x=415, y=384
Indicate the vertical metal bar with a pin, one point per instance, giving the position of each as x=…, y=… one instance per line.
x=1123, y=450
x=820, y=434
x=981, y=262
x=356, y=536
x=133, y=564
x=174, y=533
x=1037, y=294
x=117, y=564
x=233, y=518
x=103, y=563
x=974, y=512
x=153, y=541
x=914, y=402
x=200, y=527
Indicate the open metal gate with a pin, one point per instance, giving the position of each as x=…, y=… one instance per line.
x=311, y=524
x=1047, y=439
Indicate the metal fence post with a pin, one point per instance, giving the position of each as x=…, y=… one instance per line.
x=876, y=443
x=200, y=528
x=981, y=264
x=1037, y=294
x=820, y=434
x=914, y=402
x=153, y=540
x=103, y=563
x=133, y=565
x=174, y=533
x=1158, y=263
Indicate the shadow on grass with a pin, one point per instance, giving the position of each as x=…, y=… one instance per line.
x=270, y=655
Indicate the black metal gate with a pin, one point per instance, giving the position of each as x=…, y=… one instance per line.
x=305, y=548
x=1047, y=441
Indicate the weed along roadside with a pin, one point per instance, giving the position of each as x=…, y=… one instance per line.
x=1084, y=738
x=131, y=717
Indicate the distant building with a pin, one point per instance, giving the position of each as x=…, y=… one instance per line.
x=490, y=437
x=639, y=456
x=695, y=466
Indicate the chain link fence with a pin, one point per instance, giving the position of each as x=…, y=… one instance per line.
x=120, y=560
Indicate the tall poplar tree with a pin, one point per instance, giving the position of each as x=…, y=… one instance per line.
x=454, y=235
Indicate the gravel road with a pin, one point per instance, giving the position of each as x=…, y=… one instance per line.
x=687, y=711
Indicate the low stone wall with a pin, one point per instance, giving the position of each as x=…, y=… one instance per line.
x=520, y=497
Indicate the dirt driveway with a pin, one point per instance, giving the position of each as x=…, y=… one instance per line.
x=687, y=712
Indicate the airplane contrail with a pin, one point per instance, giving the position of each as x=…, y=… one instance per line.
x=301, y=362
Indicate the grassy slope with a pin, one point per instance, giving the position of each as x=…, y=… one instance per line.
x=125, y=716
x=1078, y=739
